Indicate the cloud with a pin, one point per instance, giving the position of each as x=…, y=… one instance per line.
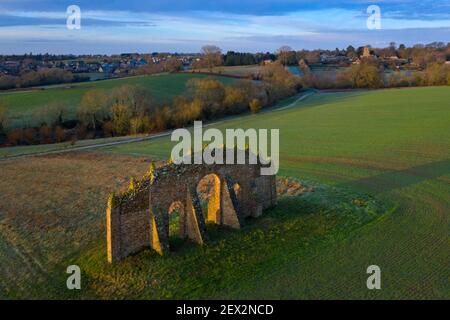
x=425, y=9
x=239, y=25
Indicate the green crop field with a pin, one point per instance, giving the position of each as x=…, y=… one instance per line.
x=22, y=104
x=379, y=164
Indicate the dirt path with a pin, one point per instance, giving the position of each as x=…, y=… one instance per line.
x=293, y=104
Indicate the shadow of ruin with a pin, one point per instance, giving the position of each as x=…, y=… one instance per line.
x=139, y=217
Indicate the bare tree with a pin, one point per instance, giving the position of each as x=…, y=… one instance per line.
x=52, y=114
x=212, y=56
x=93, y=108
x=283, y=54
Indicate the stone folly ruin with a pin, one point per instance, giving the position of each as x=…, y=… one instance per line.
x=139, y=217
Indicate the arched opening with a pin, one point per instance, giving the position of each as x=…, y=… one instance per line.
x=176, y=213
x=208, y=190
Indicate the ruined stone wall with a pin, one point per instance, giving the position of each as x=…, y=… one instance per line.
x=139, y=217
x=129, y=225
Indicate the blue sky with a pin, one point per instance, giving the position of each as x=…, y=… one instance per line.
x=243, y=25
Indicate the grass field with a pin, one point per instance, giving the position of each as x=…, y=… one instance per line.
x=379, y=163
x=22, y=104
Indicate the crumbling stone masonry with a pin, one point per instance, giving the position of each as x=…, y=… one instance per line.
x=139, y=217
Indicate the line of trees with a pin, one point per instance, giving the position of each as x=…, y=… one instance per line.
x=171, y=65
x=368, y=74
x=211, y=56
x=42, y=77
x=419, y=55
x=371, y=74
x=232, y=58
x=130, y=110
x=426, y=65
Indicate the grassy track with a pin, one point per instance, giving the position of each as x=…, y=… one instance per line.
x=380, y=165
x=22, y=104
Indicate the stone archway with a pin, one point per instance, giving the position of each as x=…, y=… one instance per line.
x=176, y=215
x=140, y=217
x=209, y=191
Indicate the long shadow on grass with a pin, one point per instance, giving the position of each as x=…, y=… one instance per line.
x=397, y=179
x=287, y=209
x=293, y=210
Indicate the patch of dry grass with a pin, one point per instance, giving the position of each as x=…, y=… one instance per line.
x=52, y=207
